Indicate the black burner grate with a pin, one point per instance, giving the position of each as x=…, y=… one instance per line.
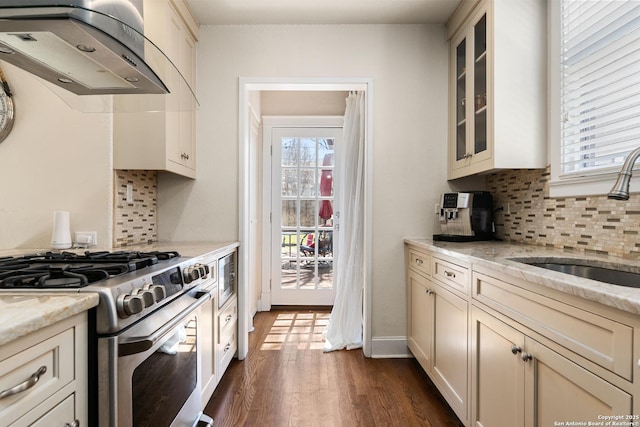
x=71, y=270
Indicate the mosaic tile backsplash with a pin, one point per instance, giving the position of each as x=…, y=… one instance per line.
x=136, y=222
x=525, y=213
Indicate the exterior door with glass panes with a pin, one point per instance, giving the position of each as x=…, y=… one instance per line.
x=303, y=211
x=469, y=57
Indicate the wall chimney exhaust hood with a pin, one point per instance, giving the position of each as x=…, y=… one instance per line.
x=92, y=47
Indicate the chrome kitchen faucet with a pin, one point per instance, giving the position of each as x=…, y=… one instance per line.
x=620, y=190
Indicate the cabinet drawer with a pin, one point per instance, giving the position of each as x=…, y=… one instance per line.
x=62, y=415
x=227, y=348
x=419, y=262
x=453, y=275
x=601, y=340
x=53, y=358
x=227, y=319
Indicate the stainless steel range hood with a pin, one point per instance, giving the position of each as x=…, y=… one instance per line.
x=88, y=47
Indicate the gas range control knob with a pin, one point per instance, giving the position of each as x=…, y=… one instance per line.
x=203, y=270
x=157, y=290
x=128, y=305
x=191, y=274
x=147, y=296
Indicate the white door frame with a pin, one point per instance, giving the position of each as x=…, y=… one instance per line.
x=247, y=85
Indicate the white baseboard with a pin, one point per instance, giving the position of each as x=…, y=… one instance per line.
x=389, y=348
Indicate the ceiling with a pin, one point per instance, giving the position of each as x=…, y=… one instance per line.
x=240, y=12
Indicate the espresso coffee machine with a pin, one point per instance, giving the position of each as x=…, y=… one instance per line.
x=466, y=217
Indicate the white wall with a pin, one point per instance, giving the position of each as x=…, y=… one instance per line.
x=408, y=65
x=54, y=159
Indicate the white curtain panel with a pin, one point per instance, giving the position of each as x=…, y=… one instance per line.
x=345, y=323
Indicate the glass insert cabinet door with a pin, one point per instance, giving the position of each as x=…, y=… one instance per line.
x=303, y=209
x=469, y=86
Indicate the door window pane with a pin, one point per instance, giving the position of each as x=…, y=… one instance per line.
x=307, y=212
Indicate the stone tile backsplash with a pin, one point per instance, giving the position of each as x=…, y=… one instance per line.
x=525, y=213
x=136, y=222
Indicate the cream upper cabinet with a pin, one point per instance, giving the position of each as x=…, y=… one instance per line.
x=163, y=140
x=497, y=87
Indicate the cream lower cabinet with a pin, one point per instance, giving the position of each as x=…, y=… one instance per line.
x=507, y=352
x=219, y=343
x=438, y=325
x=209, y=314
x=498, y=373
x=421, y=317
x=450, y=370
x=43, y=377
x=542, y=357
x=517, y=381
x=227, y=333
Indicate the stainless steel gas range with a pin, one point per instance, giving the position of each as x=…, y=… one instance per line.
x=144, y=347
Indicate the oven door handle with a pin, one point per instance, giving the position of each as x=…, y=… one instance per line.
x=136, y=345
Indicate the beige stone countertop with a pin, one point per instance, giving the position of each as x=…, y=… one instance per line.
x=23, y=313
x=498, y=256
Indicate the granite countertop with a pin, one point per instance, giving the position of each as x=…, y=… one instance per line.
x=498, y=256
x=24, y=312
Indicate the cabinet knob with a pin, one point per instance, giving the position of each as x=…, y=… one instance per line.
x=515, y=349
x=526, y=357
x=419, y=261
x=429, y=292
x=74, y=423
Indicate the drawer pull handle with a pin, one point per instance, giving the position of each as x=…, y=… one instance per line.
x=227, y=347
x=449, y=274
x=74, y=423
x=419, y=261
x=229, y=317
x=26, y=385
x=515, y=349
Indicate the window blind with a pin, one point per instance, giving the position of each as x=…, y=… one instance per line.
x=599, y=83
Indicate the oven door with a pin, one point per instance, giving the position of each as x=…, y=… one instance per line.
x=152, y=369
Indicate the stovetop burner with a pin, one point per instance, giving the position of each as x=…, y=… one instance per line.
x=70, y=270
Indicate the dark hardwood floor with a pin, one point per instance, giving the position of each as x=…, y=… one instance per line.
x=287, y=380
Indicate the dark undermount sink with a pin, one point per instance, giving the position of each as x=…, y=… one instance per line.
x=609, y=274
